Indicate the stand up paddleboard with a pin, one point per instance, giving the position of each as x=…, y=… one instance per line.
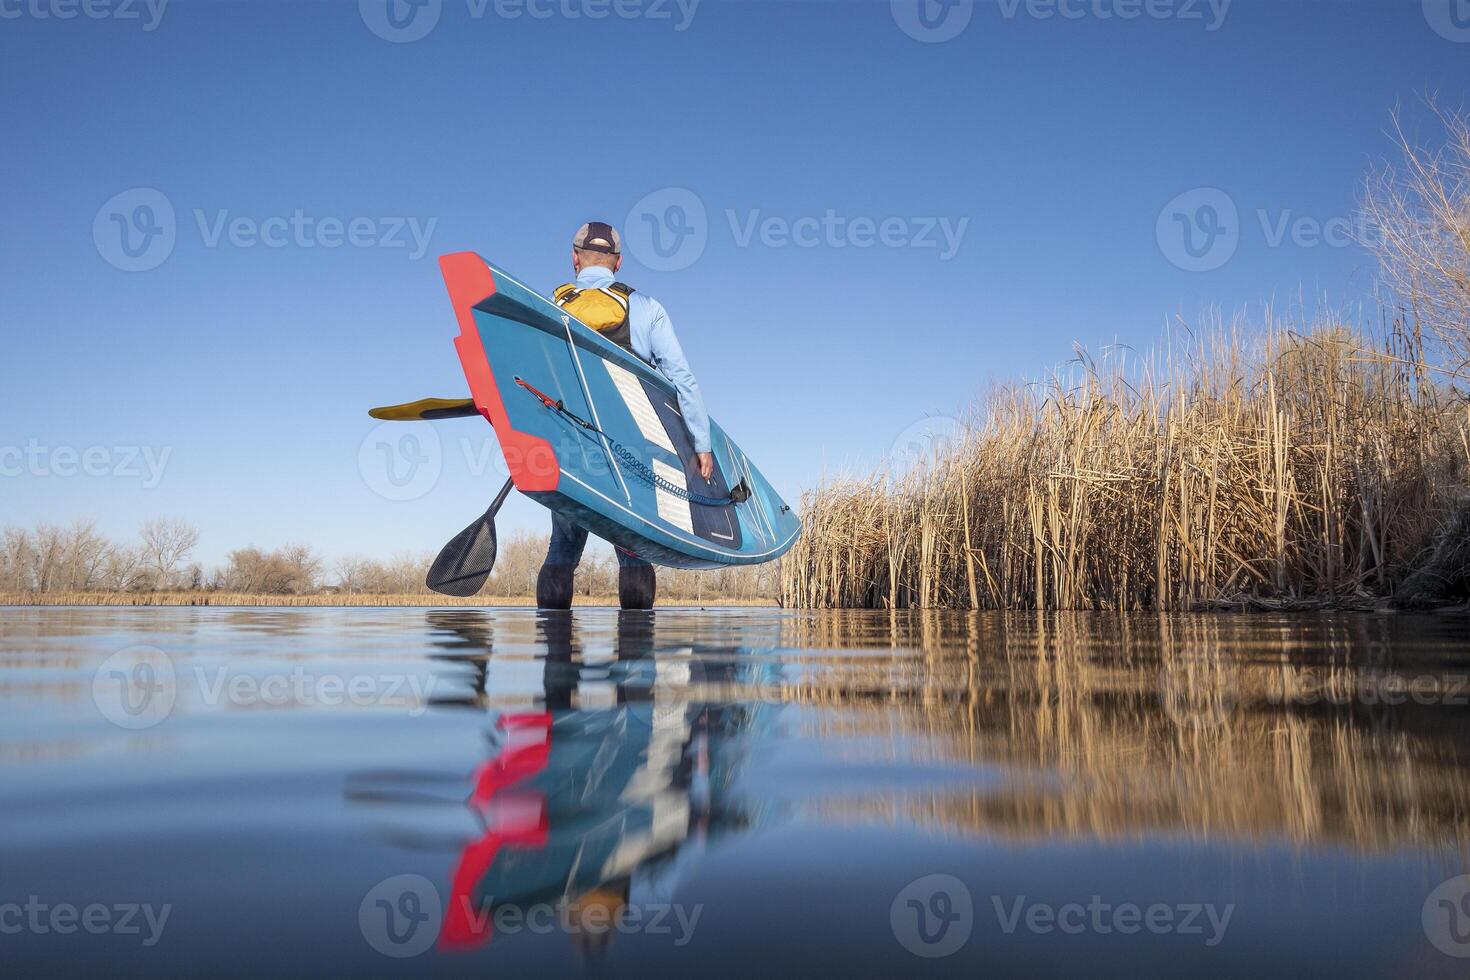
x=595, y=434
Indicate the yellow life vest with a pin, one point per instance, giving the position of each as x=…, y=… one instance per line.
x=603, y=308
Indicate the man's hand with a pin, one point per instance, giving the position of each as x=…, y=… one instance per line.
x=706, y=465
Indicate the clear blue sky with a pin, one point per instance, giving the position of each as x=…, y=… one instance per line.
x=1056, y=140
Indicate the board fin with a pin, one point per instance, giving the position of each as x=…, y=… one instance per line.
x=426, y=409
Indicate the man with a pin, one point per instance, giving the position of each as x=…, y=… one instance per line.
x=639, y=324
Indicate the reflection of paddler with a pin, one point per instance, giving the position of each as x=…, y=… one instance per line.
x=582, y=794
x=592, y=917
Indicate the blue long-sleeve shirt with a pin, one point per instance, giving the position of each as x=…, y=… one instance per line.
x=654, y=340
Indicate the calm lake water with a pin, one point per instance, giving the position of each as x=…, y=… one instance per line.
x=318, y=792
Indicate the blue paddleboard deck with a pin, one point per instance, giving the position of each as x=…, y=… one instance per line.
x=595, y=434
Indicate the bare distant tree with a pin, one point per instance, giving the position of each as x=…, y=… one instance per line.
x=302, y=567
x=48, y=543
x=167, y=544
x=286, y=571
x=518, y=560
x=352, y=573
x=16, y=560
x=84, y=555
x=120, y=571
x=405, y=574
x=1418, y=225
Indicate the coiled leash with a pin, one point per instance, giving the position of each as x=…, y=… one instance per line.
x=738, y=493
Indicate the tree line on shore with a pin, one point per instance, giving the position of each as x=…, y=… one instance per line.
x=76, y=558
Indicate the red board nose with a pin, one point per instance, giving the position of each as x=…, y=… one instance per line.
x=531, y=460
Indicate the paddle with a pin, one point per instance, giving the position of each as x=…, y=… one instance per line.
x=426, y=409
x=465, y=562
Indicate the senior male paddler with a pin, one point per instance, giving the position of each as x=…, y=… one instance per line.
x=638, y=323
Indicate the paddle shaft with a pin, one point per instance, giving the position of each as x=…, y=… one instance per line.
x=500, y=497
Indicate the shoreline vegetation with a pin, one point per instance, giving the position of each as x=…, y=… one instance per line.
x=54, y=565
x=1300, y=464
x=1306, y=470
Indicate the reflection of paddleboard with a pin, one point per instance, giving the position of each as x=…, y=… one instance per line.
x=595, y=434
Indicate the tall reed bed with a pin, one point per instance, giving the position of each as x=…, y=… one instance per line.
x=1291, y=466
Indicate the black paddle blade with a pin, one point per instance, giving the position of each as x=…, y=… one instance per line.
x=465, y=562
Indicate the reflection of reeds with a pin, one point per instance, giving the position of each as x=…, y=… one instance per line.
x=1310, y=467
x=1198, y=726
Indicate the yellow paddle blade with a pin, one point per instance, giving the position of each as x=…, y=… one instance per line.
x=426, y=408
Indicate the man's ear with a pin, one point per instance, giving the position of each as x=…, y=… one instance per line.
x=576, y=262
x=617, y=263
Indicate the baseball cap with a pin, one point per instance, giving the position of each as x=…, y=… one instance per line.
x=598, y=236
